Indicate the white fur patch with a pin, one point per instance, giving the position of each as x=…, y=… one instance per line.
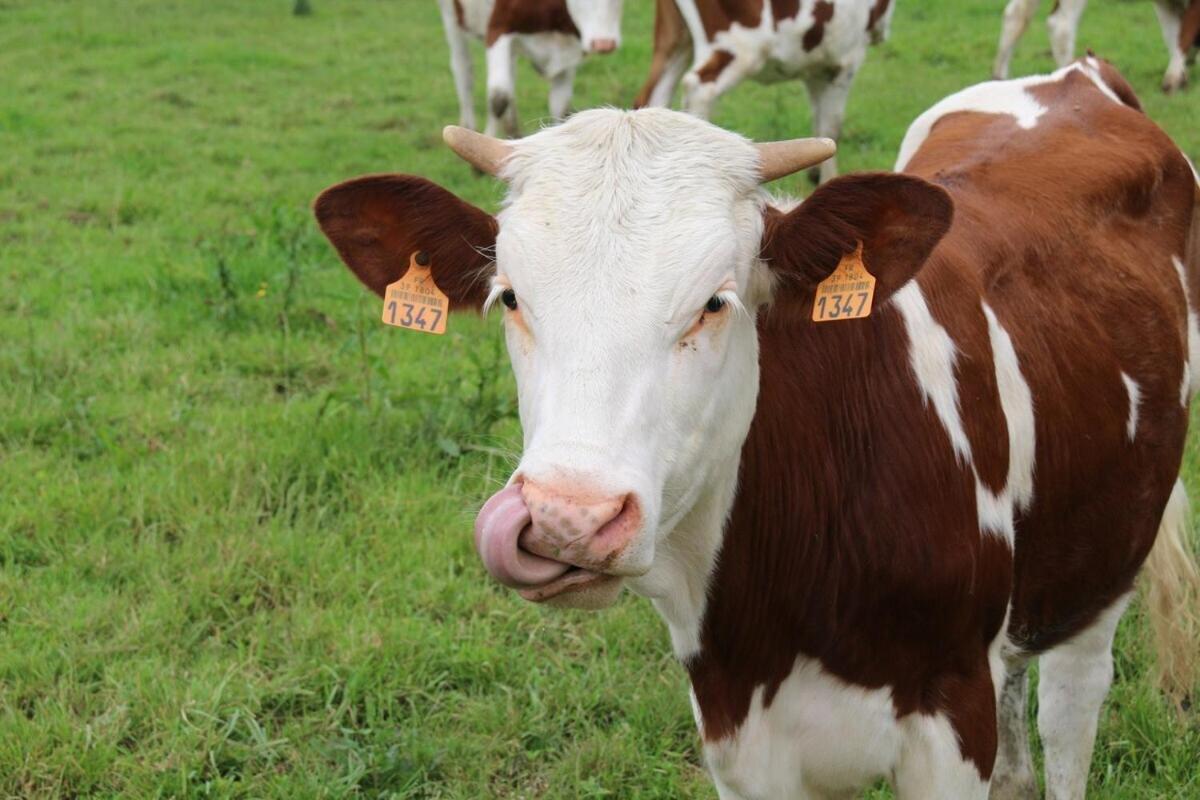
x=993, y=97
x=1135, y=400
x=1193, y=329
x=1017, y=402
x=819, y=735
x=932, y=355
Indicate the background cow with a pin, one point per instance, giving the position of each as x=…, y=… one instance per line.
x=859, y=531
x=553, y=34
x=1180, y=21
x=821, y=42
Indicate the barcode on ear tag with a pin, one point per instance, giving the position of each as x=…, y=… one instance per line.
x=847, y=292
x=415, y=302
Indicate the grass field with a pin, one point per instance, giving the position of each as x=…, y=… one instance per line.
x=235, y=555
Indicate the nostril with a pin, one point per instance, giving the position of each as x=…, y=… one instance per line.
x=627, y=519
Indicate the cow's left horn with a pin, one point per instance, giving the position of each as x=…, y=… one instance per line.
x=784, y=158
x=482, y=152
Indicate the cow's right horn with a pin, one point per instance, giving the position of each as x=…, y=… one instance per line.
x=784, y=158
x=485, y=153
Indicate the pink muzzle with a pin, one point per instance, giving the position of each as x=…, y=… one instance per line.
x=544, y=541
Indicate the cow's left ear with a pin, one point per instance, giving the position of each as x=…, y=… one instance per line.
x=898, y=219
x=378, y=222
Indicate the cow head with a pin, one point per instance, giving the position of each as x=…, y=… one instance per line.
x=629, y=261
x=599, y=23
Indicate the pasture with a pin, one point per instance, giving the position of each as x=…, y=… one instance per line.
x=235, y=509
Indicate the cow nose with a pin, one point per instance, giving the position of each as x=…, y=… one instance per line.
x=579, y=526
x=602, y=45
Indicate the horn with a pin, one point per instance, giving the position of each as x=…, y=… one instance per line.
x=484, y=153
x=784, y=158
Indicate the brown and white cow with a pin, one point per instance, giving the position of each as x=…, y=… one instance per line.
x=859, y=531
x=1179, y=19
x=553, y=34
x=713, y=45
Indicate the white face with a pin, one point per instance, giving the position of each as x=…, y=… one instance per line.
x=599, y=23
x=618, y=230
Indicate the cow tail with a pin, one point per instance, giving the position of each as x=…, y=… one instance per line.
x=1173, y=601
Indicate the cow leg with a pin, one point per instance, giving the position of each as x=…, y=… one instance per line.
x=1017, y=15
x=562, y=86
x=1064, y=24
x=1074, y=680
x=1013, y=777
x=667, y=79
x=460, y=65
x=501, y=84
x=719, y=73
x=1170, y=20
x=828, y=100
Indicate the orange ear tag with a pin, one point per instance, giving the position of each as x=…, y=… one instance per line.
x=847, y=292
x=415, y=302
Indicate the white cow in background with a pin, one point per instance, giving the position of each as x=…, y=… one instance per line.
x=1180, y=21
x=553, y=34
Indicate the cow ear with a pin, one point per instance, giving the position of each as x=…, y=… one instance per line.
x=378, y=222
x=898, y=219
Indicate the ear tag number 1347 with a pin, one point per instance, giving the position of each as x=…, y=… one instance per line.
x=415, y=302
x=847, y=292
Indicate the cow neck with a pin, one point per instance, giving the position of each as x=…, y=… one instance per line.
x=785, y=553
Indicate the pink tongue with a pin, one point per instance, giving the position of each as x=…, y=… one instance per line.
x=497, y=529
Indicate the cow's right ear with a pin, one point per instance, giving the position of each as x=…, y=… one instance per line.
x=378, y=222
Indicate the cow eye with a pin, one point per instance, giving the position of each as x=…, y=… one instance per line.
x=509, y=298
x=714, y=304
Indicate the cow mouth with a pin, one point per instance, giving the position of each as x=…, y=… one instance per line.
x=574, y=579
x=499, y=529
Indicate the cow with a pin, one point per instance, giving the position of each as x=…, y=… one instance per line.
x=553, y=34
x=1179, y=19
x=713, y=45
x=868, y=455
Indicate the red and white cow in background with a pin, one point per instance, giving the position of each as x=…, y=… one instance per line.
x=1180, y=21
x=859, y=531
x=713, y=45
x=553, y=34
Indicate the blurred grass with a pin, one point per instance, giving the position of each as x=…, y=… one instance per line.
x=234, y=509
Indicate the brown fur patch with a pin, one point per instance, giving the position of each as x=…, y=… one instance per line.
x=715, y=65
x=877, y=13
x=1189, y=29
x=822, y=13
x=529, y=16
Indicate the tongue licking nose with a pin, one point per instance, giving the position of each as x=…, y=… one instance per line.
x=498, y=531
x=531, y=535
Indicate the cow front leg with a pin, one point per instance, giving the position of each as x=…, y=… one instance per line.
x=828, y=99
x=501, y=86
x=717, y=74
x=1171, y=22
x=562, y=86
x=1017, y=15
x=1064, y=25
x=1074, y=678
x=950, y=754
x=460, y=64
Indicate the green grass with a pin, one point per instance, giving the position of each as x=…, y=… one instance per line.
x=235, y=556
